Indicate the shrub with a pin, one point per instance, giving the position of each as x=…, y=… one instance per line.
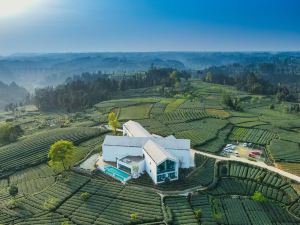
x=258, y=196
x=198, y=213
x=85, y=196
x=13, y=190
x=65, y=223
x=50, y=203
x=133, y=216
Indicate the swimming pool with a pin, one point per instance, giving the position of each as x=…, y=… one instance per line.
x=116, y=173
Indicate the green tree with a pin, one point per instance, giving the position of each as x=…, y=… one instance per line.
x=85, y=196
x=65, y=223
x=258, y=196
x=209, y=77
x=174, y=79
x=198, y=213
x=9, y=133
x=232, y=103
x=272, y=106
x=50, y=203
x=13, y=190
x=113, y=121
x=61, y=153
x=133, y=216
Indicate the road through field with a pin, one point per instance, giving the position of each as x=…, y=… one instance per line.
x=259, y=164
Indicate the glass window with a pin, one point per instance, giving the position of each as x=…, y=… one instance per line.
x=166, y=166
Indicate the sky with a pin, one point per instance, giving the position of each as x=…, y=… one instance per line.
x=40, y=26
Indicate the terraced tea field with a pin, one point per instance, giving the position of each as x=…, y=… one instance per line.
x=34, y=149
x=182, y=212
x=285, y=151
x=135, y=112
x=252, y=135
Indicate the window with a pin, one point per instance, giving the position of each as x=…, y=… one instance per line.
x=166, y=166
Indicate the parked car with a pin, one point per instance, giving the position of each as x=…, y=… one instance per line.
x=252, y=155
x=256, y=153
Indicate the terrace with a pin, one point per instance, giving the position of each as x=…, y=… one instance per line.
x=131, y=164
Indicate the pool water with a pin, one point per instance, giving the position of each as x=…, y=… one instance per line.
x=116, y=173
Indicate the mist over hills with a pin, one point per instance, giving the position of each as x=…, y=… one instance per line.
x=39, y=70
x=11, y=93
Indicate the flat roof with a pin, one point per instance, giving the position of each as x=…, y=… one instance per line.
x=132, y=160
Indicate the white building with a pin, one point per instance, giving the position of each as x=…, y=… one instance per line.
x=138, y=151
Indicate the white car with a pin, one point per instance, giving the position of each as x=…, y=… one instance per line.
x=227, y=150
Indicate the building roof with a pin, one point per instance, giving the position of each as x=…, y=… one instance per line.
x=136, y=129
x=126, y=141
x=174, y=144
x=158, y=153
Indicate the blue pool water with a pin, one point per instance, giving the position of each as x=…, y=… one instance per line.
x=116, y=173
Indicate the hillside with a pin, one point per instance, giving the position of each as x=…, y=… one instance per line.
x=11, y=93
x=218, y=188
x=39, y=70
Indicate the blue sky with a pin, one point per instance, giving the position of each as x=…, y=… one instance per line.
x=152, y=25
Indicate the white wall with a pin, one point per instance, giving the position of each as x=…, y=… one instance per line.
x=184, y=157
x=142, y=167
x=150, y=167
x=111, y=153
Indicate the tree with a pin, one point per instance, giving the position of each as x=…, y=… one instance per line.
x=198, y=213
x=65, y=223
x=50, y=202
x=208, y=77
x=113, y=121
x=13, y=190
x=61, y=152
x=85, y=196
x=9, y=133
x=258, y=196
x=133, y=216
x=232, y=103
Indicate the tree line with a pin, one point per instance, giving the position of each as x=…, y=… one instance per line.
x=249, y=82
x=80, y=92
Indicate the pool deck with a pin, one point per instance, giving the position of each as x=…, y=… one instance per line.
x=89, y=163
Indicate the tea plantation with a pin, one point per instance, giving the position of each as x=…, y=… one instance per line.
x=214, y=192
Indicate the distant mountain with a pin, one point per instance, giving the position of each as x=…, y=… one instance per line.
x=11, y=93
x=38, y=70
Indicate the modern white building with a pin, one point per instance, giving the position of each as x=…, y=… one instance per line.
x=138, y=151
